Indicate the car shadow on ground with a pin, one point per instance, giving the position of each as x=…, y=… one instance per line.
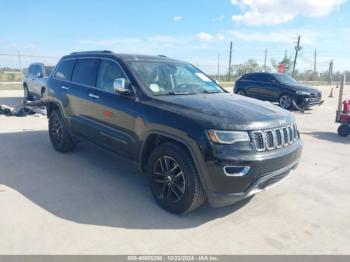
x=89, y=185
x=329, y=136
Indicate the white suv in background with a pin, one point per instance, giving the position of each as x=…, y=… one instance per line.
x=34, y=82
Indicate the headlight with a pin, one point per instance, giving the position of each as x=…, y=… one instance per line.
x=303, y=93
x=228, y=137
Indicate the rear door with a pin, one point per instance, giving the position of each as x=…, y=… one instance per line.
x=71, y=95
x=30, y=77
x=83, y=77
x=112, y=113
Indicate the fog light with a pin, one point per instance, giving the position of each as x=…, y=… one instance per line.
x=236, y=171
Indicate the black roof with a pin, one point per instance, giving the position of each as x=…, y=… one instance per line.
x=126, y=57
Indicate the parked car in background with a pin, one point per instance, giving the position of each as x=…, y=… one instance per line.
x=34, y=82
x=195, y=140
x=278, y=87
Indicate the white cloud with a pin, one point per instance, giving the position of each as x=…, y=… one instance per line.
x=177, y=18
x=206, y=37
x=271, y=12
x=202, y=36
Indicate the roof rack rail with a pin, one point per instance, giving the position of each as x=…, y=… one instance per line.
x=162, y=55
x=92, y=52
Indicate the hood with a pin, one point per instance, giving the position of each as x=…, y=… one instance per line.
x=226, y=111
x=302, y=87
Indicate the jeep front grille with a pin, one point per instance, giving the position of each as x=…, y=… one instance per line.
x=266, y=140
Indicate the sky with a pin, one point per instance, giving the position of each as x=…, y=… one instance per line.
x=198, y=31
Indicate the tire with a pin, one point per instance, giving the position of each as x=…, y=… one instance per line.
x=174, y=180
x=241, y=93
x=59, y=136
x=27, y=95
x=344, y=130
x=43, y=92
x=286, y=101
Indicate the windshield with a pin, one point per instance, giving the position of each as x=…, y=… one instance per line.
x=168, y=78
x=286, y=79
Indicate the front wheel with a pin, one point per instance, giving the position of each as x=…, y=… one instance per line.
x=59, y=136
x=344, y=130
x=174, y=180
x=286, y=101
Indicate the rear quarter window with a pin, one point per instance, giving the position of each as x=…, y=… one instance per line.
x=64, y=70
x=85, y=71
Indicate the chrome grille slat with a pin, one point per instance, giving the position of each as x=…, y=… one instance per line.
x=271, y=139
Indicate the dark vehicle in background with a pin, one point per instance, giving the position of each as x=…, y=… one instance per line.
x=34, y=82
x=278, y=87
x=195, y=140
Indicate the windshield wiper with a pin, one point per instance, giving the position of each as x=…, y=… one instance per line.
x=172, y=93
x=210, y=92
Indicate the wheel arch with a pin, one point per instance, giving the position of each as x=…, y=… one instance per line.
x=51, y=106
x=155, y=138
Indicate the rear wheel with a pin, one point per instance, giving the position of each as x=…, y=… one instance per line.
x=286, y=101
x=343, y=130
x=174, y=180
x=27, y=95
x=59, y=136
x=43, y=92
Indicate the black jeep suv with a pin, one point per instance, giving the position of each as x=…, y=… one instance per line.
x=195, y=140
x=277, y=87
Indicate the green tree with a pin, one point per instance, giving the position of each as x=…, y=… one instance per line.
x=248, y=67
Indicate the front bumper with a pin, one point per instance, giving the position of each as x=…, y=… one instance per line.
x=306, y=102
x=265, y=182
x=266, y=170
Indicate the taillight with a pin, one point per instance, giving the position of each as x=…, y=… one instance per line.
x=346, y=106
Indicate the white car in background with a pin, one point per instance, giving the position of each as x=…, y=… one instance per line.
x=34, y=81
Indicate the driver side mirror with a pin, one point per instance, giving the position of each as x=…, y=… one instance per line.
x=122, y=86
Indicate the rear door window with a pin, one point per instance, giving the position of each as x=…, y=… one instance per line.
x=250, y=77
x=31, y=70
x=85, y=71
x=64, y=70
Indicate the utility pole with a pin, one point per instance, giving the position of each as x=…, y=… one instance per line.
x=20, y=66
x=285, y=53
x=229, y=63
x=315, y=57
x=330, y=72
x=297, y=49
x=265, y=60
x=218, y=77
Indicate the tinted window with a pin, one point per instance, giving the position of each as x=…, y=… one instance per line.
x=250, y=77
x=85, y=72
x=38, y=69
x=109, y=71
x=64, y=70
x=31, y=70
x=263, y=78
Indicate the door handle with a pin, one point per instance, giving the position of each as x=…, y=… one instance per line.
x=93, y=96
x=65, y=87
